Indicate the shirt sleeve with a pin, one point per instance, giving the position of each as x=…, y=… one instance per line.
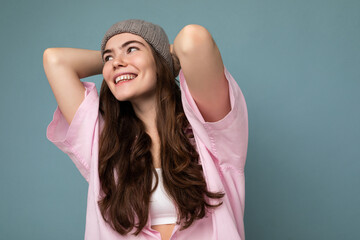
x=226, y=139
x=77, y=139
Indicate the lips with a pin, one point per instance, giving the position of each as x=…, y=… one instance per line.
x=124, y=77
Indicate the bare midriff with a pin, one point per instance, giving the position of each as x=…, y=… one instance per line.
x=165, y=230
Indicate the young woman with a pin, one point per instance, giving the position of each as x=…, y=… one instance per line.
x=162, y=161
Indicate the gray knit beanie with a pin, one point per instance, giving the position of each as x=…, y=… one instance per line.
x=151, y=33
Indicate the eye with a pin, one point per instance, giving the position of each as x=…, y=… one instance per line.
x=132, y=49
x=107, y=58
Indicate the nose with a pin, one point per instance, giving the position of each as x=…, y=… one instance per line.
x=119, y=61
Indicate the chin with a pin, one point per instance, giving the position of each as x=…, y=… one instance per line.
x=122, y=99
x=121, y=96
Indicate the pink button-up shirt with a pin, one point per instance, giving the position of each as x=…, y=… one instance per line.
x=222, y=148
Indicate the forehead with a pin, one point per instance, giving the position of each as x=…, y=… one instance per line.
x=119, y=39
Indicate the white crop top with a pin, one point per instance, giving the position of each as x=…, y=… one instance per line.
x=162, y=209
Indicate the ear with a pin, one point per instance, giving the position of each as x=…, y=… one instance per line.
x=176, y=64
x=175, y=61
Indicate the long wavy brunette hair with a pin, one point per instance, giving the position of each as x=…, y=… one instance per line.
x=126, y=164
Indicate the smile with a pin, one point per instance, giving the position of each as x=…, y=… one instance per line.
x=124, y=78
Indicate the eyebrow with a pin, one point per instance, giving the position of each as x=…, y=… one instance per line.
x=123, y=46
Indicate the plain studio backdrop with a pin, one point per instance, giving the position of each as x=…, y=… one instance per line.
x=296, y=61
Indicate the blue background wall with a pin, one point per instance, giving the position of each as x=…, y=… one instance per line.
x=297, y=62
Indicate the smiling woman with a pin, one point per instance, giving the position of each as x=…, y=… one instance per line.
x=129, y=69
x=162, y=161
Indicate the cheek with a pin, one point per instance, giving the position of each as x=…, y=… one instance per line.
x=152, y=66
x=106, y=73
x=145, y=62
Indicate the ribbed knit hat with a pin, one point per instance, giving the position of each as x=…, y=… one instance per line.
x=151, y=33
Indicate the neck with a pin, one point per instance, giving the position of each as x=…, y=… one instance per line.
x=146, y=112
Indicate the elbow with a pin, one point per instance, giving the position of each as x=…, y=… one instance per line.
x=193, y=38
x=50, y=56
x=51, y=62
x=53, y=57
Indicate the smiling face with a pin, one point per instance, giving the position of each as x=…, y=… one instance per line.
x=130, y=69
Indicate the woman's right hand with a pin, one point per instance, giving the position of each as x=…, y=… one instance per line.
x=64, y=67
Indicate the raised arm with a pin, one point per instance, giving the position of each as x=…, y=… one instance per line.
x=64, y=67
x=203, y=69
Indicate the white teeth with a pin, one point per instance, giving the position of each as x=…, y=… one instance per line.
x=124, y=78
